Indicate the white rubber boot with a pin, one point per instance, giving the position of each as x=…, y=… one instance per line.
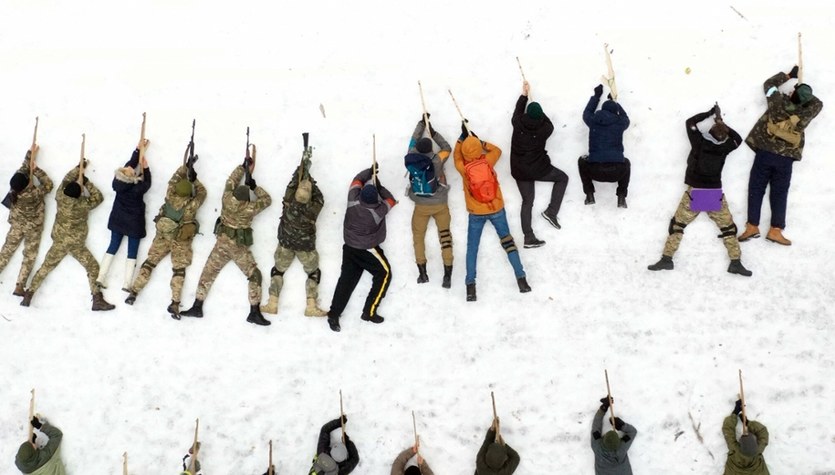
x=106, y=260
x=130, y=266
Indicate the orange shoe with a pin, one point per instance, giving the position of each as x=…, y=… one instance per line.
x=751, y=232
x=776, y=235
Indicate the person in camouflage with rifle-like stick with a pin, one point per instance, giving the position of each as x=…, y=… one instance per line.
x=297, y=236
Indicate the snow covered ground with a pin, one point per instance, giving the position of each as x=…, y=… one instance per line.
x=135, y=380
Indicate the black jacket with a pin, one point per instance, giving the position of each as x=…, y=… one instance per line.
x=324, y=445
x=528, y=159
x=606, y=128
x=707, y=158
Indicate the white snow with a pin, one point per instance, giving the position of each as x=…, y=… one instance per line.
x=135, y=380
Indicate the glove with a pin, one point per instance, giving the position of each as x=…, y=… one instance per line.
x=251, y=183
x=247, y=162
x=36, y=423
x=598, y=91
x=345, y=421
x=717, y=111
x=34, y=438
x=427, y=117
x=793, y=73
x=738, y=407
x=604, y=404
x=432, y=131
x=609, y=96
x=744, y=420
x=464, y=132
x=619, y=423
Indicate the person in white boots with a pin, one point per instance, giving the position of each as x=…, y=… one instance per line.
x=127, y=218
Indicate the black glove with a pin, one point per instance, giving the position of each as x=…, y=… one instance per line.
x=34, y=438
x=793, y=73
x=717, y=111
x=432, y=131
x=426, y=117
x=609, y=96
x=738, y=406
x=464, y=131
x=619, y=423
x=744, y=420
x=192, y=175
x=604, y=404
x=36, y=423
x=85, y=180
x=345, y=421
x=598, y=91
x=250, y=182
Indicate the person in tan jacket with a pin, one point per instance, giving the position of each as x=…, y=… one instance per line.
x=421, y=468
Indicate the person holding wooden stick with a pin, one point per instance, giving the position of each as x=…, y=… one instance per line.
x=745, y=456
x=29, y=187
x=777, y=140
x=605, y=161
x=69, y=234
x=704, y=190
x=45, y=460
x=420, y=468
x=192, y=467
x=610, y=449
x=530, y=163
x=364, y=230
x=495, y=457
x=340, y=458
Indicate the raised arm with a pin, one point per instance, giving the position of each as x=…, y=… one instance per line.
x=761, y=433
x=519, y=110
x=416, y=135
x=325, y=435
x=492, y=152
x=399, y=465
x=353, y=457
x=729, y=431
x=692, y=126
x=591, y=106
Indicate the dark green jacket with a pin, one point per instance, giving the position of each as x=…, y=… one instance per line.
x=481, y=467
x=47, y=460
x=737, y=463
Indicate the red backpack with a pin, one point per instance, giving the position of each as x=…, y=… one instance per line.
x=482, y=180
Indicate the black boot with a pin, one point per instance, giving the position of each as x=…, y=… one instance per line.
x=27, y=297
x=533, y=242
x=471, y=293
x=589, y=199
x=377, y=318
x=666, y=263
x=621, y=202
x=174, y=309
x=422, y=277
x=523, y=285
x=736, y=267
x=256, y=317
x=333, y=322
x=447, y=277
x=100, y=304
x=195, y=311
x=131, y=298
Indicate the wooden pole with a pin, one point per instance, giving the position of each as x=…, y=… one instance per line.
x=34, y=153
x=125, y=463
x=374, y=158
x=522, y=72
x=611, y=401
x=610, y=80
x=81, y=160
x=742, y=398
x=414, y=428
x=467, y=127
x=270, y=470
x=194, y=447
x=31, y=416
x=799, y=59
x=496, y=420
x=341, y=414
x=423, y=103
x=35, y=135
x=142, y=146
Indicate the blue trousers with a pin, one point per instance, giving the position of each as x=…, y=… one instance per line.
x=474, y=229
x=775, y=170
x=116, y=241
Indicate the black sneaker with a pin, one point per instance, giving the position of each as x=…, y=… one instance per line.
x=736, y=267
x=589, y=199
x=532, y=242
x=666, y=263
x=375, y=319
x=523, y=285
x=622, y=202
x=551, y=219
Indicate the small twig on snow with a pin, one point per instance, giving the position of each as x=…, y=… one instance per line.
x=737, y=12
x=699, y=434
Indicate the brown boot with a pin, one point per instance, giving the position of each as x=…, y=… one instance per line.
x=313, y=309
x=272, y=305
x=99, y=303
x=27, y=298
x=19, y=291
x=776, y=235
x=751, y=232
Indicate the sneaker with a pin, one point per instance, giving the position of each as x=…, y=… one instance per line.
x=751, y=232
x=736, y=267
x=373, y=319
x=622, y=202
x=532, y=242
x=551, y=219
x=666, y=263
x=589, y=199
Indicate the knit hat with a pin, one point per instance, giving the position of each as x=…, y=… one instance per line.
x=19, y=182
x=369, y=194
x=424, y=145
x=535, y=111
x=183, y=188
x=412, y=470
x=471, y=148
x=804, y=93
x=719, y=131
x=611, y=441
x=339, y=453
x=748, y=445
x=26, y=452
x=241, y=193
x=73, y=189
x=304, y=191
x=496, y=456
x=610, y=106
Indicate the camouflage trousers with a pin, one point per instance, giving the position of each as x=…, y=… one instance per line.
x=56, y=254
x=30, y=235
x=310, y=263
x=181, y=255
x=684, y=216
x=420, y=222
x=226, y=250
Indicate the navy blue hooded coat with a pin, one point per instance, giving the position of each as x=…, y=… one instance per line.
x=128, y=214
x=606, y=128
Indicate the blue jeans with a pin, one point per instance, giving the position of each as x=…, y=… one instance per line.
x=474, y=228
x=775, y=170
x=116, y=241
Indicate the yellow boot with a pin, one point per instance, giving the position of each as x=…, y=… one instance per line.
x=313, y=309
x=272, y=305
x=776, y=235
x=751, y=232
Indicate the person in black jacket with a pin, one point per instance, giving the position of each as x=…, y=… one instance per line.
x=529, y=163
x=704, y=171
x=605, y=161
x=127, y=217
x=331, y=459
x=364, y=229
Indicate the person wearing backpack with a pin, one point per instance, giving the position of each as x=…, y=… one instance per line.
x=474, y=160
x=429, y=190
x=777, y=140
x=530, y=163
x=340, y=458
x=363, y=231
x=176, y=225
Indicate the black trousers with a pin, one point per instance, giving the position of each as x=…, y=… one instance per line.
x=354, y=262
x=609, y=172
x=528, y=191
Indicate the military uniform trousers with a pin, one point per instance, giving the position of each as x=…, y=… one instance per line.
x=284, y=257
x=181, y=255
x=684, y=216
x=29, y=234
x=56, y=253
x=225, y=250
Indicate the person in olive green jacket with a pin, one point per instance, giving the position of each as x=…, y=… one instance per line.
x=46, y=460
x=745, y=456
x=495, y=457
x=399, y=465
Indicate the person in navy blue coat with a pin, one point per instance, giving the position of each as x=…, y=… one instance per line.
x=127, y=218
x=605, y=161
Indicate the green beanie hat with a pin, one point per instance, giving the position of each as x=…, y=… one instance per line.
x=26, y=452
x=496, y=456
x=535, y=111
x=804, y=93
x=611, y=441
x=183, y=188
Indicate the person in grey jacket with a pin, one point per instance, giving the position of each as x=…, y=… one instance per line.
x=364, y=229
x=610, y=449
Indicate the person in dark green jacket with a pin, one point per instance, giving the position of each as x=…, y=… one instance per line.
x=610, y=449
x=745, y=456
x=46, y=460
x=495, y=457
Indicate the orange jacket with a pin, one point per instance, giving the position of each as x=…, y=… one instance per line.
x=465, y=152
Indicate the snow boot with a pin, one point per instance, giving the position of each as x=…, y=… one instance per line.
x=751, y=232
x=103, y=269
x=532, y=242
x=195, y=311
x=776, y=235
x=100, y=304
x=256, y=317
x=130, y=266
x=27, y=298
x=373, y=319
x=422, y=277
x=589, y=199
x=666, y=263
x=313, y=310
x=19, y=291
x=333, y=322
x=272, y=305
x=551, y=219
x=131, y=298
x=174, y=309
x=447, y=283
x=736, y=267
x=471, y=293
x=523, y=285
x=622, y=202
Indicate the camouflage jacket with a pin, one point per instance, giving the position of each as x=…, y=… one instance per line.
x=781, y=108
x=738, y=464
x=29, y=207
x=71, y=217
x=239, y=214
x=187, y=205
x=297, y=227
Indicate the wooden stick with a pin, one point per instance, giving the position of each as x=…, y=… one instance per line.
x=194, y=448
x=467, y=127
x=522, y=72
x=414, y=428
x=81, y=161
x=35, y=135
x=125, y=463
x=31, y=416
x=799, y=60
x=142, y=145
x=611, y=401
x=423, y=103
x=496, y=420
x=32, y=164
x=610, y=80
x=270, y=470
x=742, y=398
x=341, y=414
x=374, y=158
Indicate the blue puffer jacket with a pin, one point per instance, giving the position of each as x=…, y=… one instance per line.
x=606, y=128
x=128, y=214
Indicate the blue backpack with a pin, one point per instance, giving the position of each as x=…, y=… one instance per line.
x=421, y=174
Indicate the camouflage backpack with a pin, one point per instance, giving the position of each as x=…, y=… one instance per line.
x=785, y=130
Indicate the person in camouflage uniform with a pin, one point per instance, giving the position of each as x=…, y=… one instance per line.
x=176, y=225
x=745, y=456
x=26, y=216
x=69, y=236
x=234, y=236
x=777, y=140
x=297, y=237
